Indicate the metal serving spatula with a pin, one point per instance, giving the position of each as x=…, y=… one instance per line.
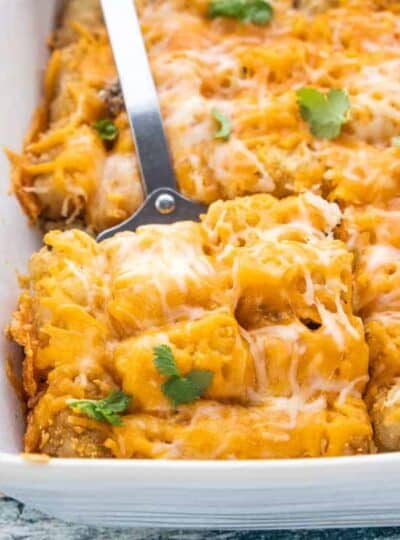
x=163, y=204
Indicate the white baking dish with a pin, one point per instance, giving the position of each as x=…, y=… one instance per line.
x=272, y=494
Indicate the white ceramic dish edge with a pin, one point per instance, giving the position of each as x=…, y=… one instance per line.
x=360, y=491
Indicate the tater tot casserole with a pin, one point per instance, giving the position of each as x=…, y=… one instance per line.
x=269, y=329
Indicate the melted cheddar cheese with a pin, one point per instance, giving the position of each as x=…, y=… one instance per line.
x=288, y=289
x=373, y=234
x=249, y=73
x=270, y=316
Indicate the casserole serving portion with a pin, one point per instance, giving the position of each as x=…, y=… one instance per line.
x=258, y=295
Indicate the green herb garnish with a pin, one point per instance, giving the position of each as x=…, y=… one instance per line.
x=225, y=126
x=259, y=12
x=180, y=389
x=107, y=130
x=103, y=410
x=165, y=362
x=325, y=114
x=396, y=141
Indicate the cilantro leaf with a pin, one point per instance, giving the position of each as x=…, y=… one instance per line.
x=164, y=361
x=107, y=130
x=325, y=114
x=103, y=410
x=259, y=12
x=200, y=379
x=187, y=389
x=225, y=127
x=396, y=141
x=180, y=389
x=117, y=401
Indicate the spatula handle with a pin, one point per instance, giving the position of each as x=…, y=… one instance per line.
x=140, y=94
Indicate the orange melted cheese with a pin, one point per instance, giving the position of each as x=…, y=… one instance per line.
x=261, y=292
x=270, y=316
x=373, y=233
x=250, y=73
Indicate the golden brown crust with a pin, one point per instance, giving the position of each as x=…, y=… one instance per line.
x=20, y=179
x=24, y=332
x=64, y=439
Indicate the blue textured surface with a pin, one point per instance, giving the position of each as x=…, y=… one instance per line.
x=20, y=523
